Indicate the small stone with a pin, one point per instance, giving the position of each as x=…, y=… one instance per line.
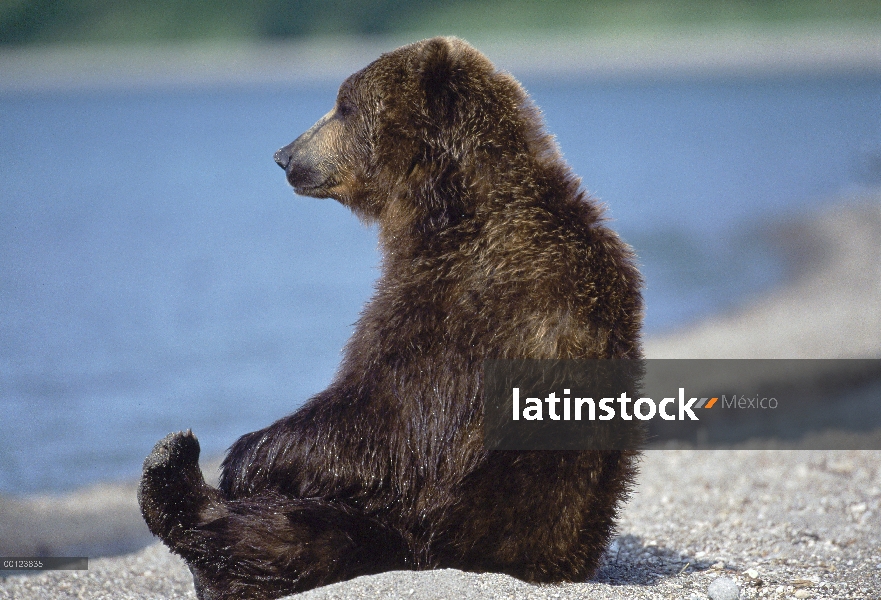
x=802, y=594
x=724, y=588
x=859, y=508
x=752, y=573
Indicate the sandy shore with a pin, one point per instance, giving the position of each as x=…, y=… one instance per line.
x=780, y=524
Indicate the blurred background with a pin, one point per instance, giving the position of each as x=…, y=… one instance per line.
x=79, y=21
x=157, y=273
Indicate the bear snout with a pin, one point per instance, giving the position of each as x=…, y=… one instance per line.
x=310, y=160
x=304, y=173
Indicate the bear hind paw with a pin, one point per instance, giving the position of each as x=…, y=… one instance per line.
x=172, y=494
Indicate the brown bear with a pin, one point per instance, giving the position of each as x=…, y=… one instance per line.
x=490, y=250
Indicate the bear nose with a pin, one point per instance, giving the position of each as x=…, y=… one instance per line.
x=283, y=158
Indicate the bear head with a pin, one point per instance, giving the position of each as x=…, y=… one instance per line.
x=419, y=137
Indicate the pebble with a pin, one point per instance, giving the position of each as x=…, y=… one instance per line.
x=724, y=588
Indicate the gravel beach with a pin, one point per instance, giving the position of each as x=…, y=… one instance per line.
x=781, y=524
x=701, y=524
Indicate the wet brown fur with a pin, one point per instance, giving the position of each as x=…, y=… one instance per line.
x=490, y=250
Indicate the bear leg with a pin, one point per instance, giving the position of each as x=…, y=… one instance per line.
x=541, y=516
x=263, y=546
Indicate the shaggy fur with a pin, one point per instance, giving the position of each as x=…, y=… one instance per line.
x=490, y=250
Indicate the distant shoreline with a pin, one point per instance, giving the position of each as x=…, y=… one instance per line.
x=662, y=53
x=828, y=307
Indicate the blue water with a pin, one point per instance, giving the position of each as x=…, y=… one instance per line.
x=156, y=272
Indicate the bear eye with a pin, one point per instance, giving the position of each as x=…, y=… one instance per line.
x=345, y=107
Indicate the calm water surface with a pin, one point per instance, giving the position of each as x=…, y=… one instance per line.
x=157, y=273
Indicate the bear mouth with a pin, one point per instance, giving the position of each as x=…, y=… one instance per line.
x=312, y=191
x=319, y=190
x=307, y=184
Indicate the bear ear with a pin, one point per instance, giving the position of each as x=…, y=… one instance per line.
x=441, y=74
